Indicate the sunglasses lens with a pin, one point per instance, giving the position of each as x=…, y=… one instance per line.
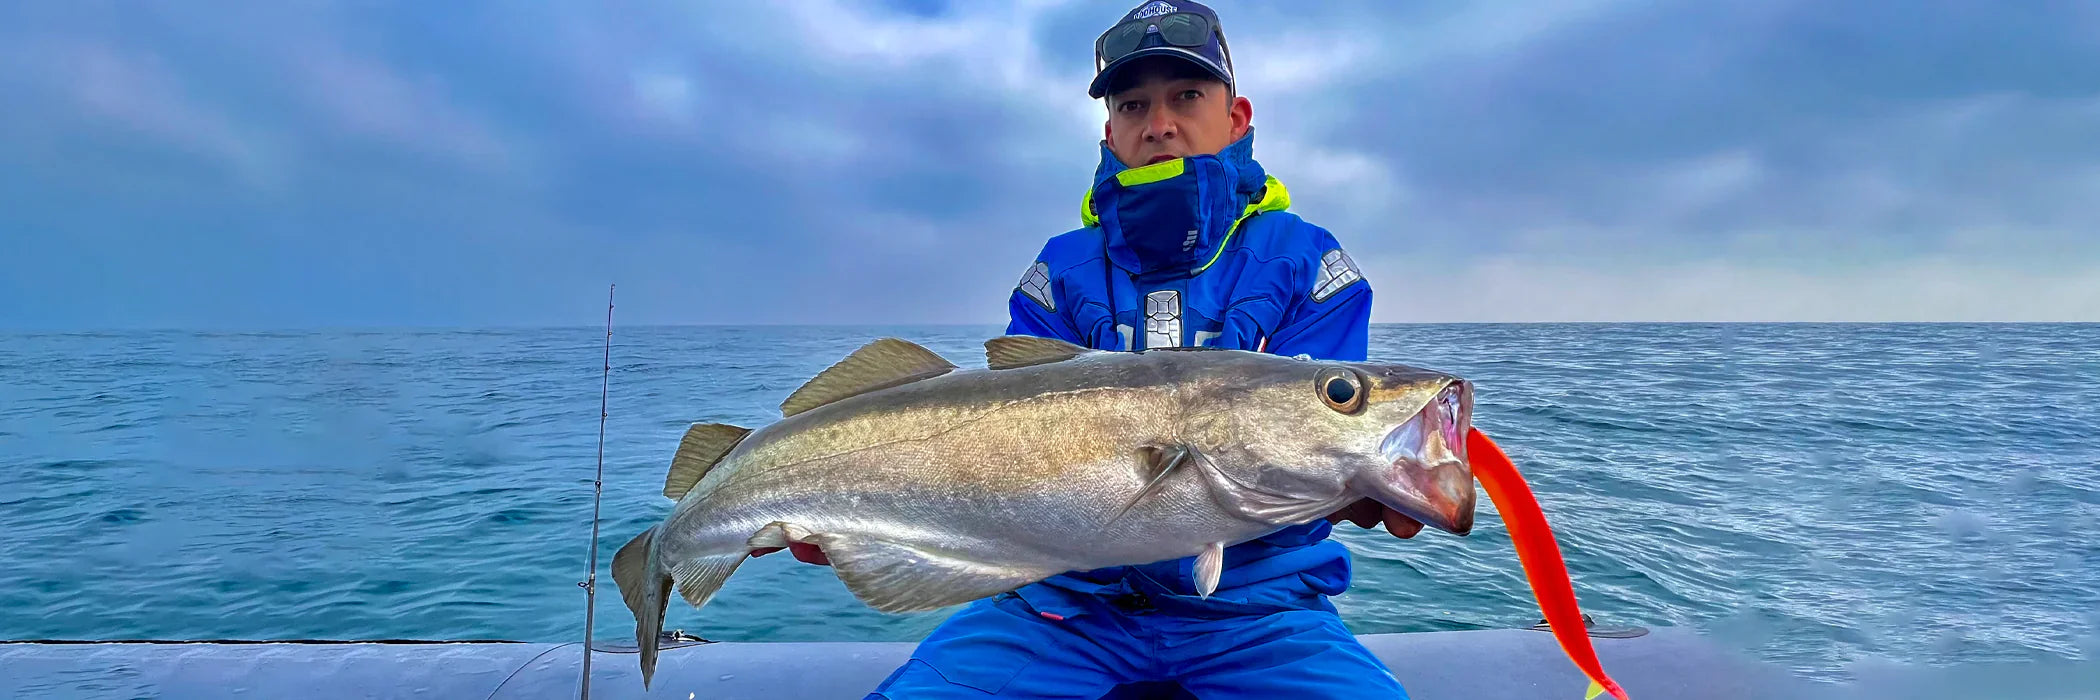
x=1122, y=40
x=1182, y=29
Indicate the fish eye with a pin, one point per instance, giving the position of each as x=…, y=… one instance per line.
x=1341, y=390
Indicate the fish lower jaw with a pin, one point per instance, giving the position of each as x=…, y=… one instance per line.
x=1439, y=495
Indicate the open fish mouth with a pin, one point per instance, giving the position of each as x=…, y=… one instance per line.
x=1430, y=479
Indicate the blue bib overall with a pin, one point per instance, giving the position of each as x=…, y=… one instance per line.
x=1198, y=251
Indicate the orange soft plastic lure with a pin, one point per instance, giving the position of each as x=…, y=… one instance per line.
x=1540, y=556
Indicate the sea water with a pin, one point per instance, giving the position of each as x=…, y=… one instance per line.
x=1819, y=496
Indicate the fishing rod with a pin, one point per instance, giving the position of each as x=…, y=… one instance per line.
x=590, y=580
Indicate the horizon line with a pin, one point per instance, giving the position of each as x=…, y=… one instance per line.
x=315, y=329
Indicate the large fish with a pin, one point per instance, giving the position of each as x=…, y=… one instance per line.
x=927, y=485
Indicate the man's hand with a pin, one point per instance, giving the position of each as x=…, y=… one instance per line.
x=1367, y=514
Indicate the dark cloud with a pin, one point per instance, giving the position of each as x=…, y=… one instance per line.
x=1890, y=123
x=496, y=163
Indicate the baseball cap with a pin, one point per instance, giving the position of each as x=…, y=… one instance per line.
x=1180, y=28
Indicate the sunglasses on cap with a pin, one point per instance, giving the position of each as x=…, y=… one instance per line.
x=1180, y=29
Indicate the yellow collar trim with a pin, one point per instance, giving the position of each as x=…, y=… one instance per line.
x=1274, y=197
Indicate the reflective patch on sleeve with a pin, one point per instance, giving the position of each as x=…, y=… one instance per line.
x=1337, y=272
x=1036, y=284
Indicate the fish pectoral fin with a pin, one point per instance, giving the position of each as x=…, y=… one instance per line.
x=894, y=577
x=1263, y=506
x=1210, y=566
x=1159, y=463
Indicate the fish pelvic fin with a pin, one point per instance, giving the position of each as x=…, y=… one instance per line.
x=882, y=364
x=894, y=577
x=1016, y=351
x=646, y=591
x=704, y=445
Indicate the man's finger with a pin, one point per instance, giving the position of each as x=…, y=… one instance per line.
x=1400, y=525
x=805, y=553
x=812, y=554
x=1365, y=513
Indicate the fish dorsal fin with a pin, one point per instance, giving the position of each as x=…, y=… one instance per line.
x=1012, y=351
x=882, y=364
x=703, y=446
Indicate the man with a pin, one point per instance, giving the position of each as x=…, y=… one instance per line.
x=1185, y=242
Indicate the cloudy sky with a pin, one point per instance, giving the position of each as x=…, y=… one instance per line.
x=297, y=164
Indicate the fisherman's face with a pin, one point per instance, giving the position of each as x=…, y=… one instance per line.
x=1165, y=108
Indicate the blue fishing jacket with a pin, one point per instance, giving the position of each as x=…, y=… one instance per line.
x=1200, y=251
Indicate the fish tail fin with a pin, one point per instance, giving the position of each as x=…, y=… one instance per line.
x=646, y=588
x=647, y=592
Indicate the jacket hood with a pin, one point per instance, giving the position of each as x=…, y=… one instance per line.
x=1173, y=218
